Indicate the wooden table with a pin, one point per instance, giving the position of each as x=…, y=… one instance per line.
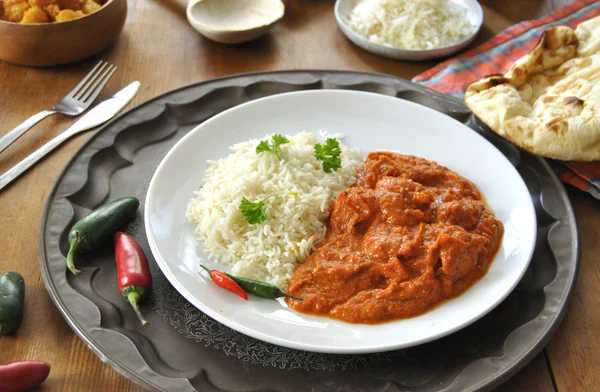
x=159, y=48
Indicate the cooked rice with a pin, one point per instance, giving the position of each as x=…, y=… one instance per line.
x=301, y=195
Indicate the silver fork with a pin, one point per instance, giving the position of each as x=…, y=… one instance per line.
x=73, y=104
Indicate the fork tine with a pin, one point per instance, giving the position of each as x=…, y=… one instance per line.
x=84, y=81
x=98, y=74
x=99, y=84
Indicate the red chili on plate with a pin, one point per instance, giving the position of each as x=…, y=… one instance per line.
x=224, y=281
x=133, y=273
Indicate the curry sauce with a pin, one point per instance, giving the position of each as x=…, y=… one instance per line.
x=408, y=235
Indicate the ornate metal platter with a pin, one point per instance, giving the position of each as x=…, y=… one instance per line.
x=185, y=350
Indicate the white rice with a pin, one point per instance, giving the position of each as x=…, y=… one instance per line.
x=301, y=195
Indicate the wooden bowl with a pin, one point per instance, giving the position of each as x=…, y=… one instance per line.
x=234, y=21
x=47, y=44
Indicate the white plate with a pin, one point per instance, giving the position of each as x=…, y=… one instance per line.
x=343, y=9
x=370, y=122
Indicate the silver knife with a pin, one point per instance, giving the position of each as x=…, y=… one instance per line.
x=101, y=113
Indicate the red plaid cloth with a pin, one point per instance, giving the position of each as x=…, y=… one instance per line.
x=498, y=54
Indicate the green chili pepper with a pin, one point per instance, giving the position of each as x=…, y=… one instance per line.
x=260, y=289
x=12, y=297
x=99, y=226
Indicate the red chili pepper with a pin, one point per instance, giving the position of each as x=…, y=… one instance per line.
x=226, y=282
x=133, y=273
x=20, y=376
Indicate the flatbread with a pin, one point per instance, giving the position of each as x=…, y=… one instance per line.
x=548, y=103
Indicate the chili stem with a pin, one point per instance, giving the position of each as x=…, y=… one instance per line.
x=133, y=297
x=206, y=269
x=71, y=256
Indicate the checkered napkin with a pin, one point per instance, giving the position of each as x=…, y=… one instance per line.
x=497, y=55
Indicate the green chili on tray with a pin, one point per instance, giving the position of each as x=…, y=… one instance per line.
x=258, y=288
x=99, y=226
x=12, y=297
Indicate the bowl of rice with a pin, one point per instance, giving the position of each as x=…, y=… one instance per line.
x=414, y=30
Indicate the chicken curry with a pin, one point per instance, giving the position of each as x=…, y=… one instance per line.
x=408, y=235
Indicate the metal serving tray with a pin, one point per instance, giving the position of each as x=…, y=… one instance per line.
x=185, y=350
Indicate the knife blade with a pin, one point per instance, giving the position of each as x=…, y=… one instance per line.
x=101, y=113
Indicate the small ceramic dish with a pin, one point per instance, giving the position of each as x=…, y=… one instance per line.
x=343, y=9
x=234, y=21
x=48, y=44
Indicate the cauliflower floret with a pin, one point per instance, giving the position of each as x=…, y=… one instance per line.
x=53, y=10
x=66, y=15
x=15, y=12
x=35, y=15
x=40, y=3
x=90, y=6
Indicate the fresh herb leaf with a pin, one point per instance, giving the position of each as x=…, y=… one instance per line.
x=329, y=154
x=277, y=140
x=293, y=194
x=254, y=212
x=263, y=146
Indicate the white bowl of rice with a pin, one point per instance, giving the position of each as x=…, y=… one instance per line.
x=413, y=30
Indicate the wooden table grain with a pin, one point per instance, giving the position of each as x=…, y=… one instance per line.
x=159, y=48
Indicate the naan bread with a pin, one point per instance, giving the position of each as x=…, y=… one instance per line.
x=548, y=103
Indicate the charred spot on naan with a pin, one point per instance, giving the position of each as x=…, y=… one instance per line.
x=557, y=125
x=574, y=101
x=559, y=37
x=487, y=83
x=556, y=101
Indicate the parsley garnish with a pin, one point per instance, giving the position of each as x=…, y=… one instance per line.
x=329, y=154
x=253, y=212
x=277, y=139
